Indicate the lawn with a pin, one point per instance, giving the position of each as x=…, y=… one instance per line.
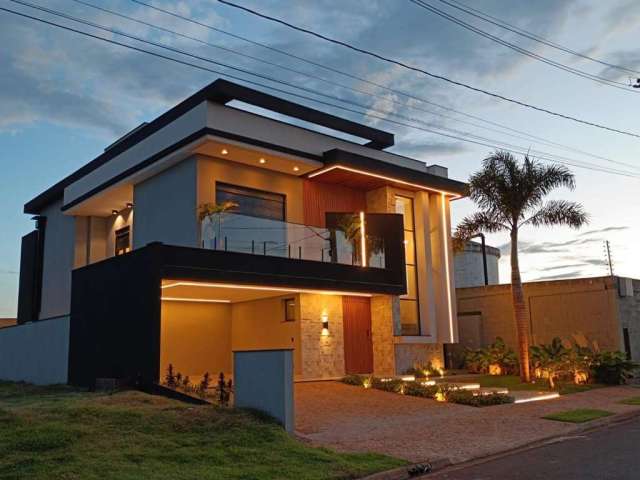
x=62, y=433
x=513, y=383
x=579, y=415
x=631, y=401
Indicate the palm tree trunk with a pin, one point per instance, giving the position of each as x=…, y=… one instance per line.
x=519, y=310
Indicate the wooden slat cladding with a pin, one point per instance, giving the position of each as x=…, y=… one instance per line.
x=358, y=349
x=320, y=198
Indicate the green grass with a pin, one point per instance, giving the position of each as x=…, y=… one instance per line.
x=62, y=433
x=579, y=415
x=513, y=383
x=631, y=401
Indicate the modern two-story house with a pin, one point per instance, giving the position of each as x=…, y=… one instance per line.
x=214, y=229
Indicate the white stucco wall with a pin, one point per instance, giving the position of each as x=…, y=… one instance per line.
x=59, y=253
x=35, y=352
x=166, y=207
x=469, y=270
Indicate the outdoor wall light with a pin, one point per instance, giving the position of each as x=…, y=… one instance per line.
x=325, y=324
x=262, y=160
x=295, y=169
x=114, y=212
x=129, y=205
x=224, y=151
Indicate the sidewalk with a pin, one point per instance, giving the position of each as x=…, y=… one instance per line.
x=355, y=419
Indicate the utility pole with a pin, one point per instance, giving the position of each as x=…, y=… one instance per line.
x=607, y=247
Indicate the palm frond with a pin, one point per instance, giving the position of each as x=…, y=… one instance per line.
x=479, y=222
x=559, y=212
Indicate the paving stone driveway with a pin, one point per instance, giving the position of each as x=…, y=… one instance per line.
x=354, y=419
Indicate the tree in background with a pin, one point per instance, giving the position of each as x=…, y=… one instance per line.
x=511, y=195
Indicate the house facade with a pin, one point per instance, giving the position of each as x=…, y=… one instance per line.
x=214, y=229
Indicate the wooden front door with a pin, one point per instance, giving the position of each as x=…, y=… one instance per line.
x=358, y=349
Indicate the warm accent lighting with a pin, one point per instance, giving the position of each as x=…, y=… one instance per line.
x=224, y=151
x=495, y=369
x=382, y=177
x=440, y=397
x=114, y=212
x=198, y=300
x=129, y=205
x=366, y=383
x=267, y=289
x=363, y=240
x=537, y=398
x=445, y=235
x=428, y=383
x=325, y=324
x=296, y=169
x=408, y=378
x=262, y=160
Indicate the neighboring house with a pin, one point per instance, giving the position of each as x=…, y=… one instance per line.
x=468, y=265
x=335, y=248
x=605, y=310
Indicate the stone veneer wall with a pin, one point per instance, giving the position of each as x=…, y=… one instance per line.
x=383, y=308
x=321, y=356
x=409, y=354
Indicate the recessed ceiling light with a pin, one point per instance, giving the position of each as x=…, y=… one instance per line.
x=262, y=160
x=224, y=151
x=295, y=169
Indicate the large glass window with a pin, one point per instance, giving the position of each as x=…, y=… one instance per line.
x=254, y=203
x=409, y=306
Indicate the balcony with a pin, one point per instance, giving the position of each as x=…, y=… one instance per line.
x=345, y=241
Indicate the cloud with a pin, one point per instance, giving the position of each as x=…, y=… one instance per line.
x=547, y=247
x=603, y=230
x=561, y=276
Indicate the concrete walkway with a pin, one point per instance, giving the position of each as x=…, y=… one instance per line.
x=351, y=418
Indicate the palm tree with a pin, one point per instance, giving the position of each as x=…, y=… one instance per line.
x=510, y=196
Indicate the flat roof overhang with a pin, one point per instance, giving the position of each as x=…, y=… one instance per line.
x=359, y=172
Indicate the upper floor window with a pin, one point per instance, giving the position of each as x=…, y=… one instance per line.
x=255, y=203
x=123, y=240
x=409, y=305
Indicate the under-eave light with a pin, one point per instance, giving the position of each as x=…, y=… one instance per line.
x=268, y=289
x=383, y=177
x=363, y=240
x=197, y=300
x=224, y=151
x=262, y=160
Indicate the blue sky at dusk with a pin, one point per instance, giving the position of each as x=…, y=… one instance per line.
x=63, y=98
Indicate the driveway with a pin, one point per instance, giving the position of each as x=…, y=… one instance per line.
x=351, y=418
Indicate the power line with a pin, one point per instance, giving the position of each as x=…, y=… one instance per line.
x=235, y=77
x=425, y=72
x=580, y=73
x=340, y=85
x=531, y=36
x=378, y=85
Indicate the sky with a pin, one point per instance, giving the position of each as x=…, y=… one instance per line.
x=64, y=97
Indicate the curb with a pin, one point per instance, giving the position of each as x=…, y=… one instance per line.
x=415, y=470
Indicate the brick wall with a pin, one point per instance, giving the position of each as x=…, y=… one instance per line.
x=321, y=356
x=410, y=354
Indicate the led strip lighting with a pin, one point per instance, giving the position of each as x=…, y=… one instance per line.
x=445, y=235
x=268, y=289
x=363, y=240
x=198, y=300
x=382, y=177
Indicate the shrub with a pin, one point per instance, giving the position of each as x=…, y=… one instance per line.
x=496, y=354
x=393, y=385
x=613, y=368
x=415, y=389
x=356, y=380
x=465, y=397
x=423, y=370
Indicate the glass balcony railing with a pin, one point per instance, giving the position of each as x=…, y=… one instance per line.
x=261, y=236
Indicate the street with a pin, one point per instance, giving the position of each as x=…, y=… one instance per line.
x=610, y=453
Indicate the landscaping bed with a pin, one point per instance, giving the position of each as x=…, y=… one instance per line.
x=61, y=432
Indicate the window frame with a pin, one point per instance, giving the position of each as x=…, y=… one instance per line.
x=257, y=193
x=412, y=231
x=119, y=234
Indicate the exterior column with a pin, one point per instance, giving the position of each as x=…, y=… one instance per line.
x=424, y=264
